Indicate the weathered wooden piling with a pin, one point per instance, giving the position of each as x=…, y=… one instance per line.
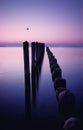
x=33, y=72
x=56, y=73
x=53, y=66
x=53, y=61
x=59, y=83
x=33, y=53
x=72, y=123
x=37, y=52
x=37, y=59
x=40, y=52
x=26, y=57
x=66, y=101
x=27, y=81
x=58, y=91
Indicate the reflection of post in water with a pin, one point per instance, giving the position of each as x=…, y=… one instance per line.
x=27, y=81
x=27, y=98
x=33, y=85
x=37, y=59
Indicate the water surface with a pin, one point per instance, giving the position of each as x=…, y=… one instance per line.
x=45, y=107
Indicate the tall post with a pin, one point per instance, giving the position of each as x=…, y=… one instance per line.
x=26, y=57
x=27, y=83
x=33, y=53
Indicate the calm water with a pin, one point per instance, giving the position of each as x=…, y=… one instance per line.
x=44, y=105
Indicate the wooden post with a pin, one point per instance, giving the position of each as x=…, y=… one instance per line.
x=33, y=53
x=37, y=51
x=27, y=83
x=26, y=57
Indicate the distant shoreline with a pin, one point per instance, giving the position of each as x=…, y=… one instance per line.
x=49, y=45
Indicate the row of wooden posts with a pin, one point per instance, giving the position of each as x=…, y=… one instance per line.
x=66, y=100
x=37, y=54
x=32, y=78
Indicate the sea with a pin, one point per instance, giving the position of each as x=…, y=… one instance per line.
x=42, y=111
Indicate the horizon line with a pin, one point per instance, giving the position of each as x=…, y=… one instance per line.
x=47, y=44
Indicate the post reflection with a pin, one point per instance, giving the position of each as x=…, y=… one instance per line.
x=27, y=98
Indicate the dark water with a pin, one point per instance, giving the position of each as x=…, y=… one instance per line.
x=44, y=107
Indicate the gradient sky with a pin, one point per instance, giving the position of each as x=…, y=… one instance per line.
x=49, y=21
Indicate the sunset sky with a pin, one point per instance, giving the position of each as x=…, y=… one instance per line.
x=49, y=21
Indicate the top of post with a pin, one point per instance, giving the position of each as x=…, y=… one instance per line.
x=25, y=42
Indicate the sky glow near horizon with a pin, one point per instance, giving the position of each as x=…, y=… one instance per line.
x=49, y=21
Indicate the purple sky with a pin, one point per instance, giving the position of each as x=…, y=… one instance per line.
x=49, y=21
